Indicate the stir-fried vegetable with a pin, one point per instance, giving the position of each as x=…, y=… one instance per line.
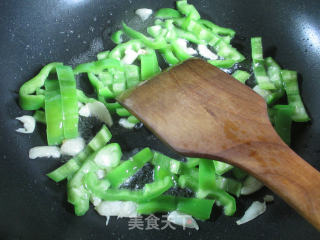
x=96, y=171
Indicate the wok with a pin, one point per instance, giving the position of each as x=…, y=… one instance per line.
x=37, y=32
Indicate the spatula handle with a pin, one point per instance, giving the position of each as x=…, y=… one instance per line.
x=284, y=172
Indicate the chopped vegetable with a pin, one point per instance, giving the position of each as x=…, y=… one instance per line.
x=251, y=185
x=126, y=124
x=53, y=112
x=116, y=37
x=108, y=157
x=126, y=169
x=29, y=124
x=72, y=146
x=205, y=52
x=165, y=13
x=255, y=209
x=95, y=173
x=40, y=116
x=117, y=208
x=241, y=76
x=144, y=13
x=33, y=102
x=149, y=65
x=69, y=101
x=292, y=89
x=181, y=219
x=44, y=151
x=98, y=110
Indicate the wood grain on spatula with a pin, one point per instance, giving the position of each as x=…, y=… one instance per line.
x=200, y=111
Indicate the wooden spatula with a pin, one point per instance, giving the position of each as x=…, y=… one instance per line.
x=200, y=111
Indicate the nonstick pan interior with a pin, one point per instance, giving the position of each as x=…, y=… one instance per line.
x=37, y=32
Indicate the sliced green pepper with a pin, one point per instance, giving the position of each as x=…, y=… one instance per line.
x=294, y=99
x=34, y=102
x=116, y=37
x=198, y=208
x=149, y=65
x=165, y=13
x=283, y=121
x=69, y=101
x=187, y=9
x=151, y=43
x=217, y=29
x=241, y=76
x=53, y=112
x=40, y=116
x=125, y=170
x=98, y=66
x=156, y=188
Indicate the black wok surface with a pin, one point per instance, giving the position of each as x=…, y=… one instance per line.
x=33, y=33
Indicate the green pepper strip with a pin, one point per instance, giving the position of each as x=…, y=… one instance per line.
x=155, y=31
x=78, y=195
x=119, y=81
x=106, y=78
x=156, y=188
x=40, y=91
x=53, y=112
x=226, y=63
x=133, y=119
x=98, y=66
x=163, y=203
x=217, y=29
x=119, y=51
x=128, y=168
x=187, y=9
x=164, y=166
x=207, y=177
x=222, y=48
x=226, y=200
x=221, y=167
x=229, y=185
x=40, y=116
x=198, y=208
x=268, y=95
x=94, y=185
x=274, y=72
x=294, y=99
x=70, y=167
x=174, y=32
x=241, y=76
x=122, y=112
x=34, y=102
x=283, y=121
x=116, y=37
x=179, y=52
x=187, y=181
x=239, y=173
x=151, y=43
x=132, y=74
x=83, y=98
x=192, y=162
x=100, y=89
x=165, y=13
x=208, y=187
x=103, y=55
x=168, y=56
x=258, y=65
x=69, y=100
x=149, y=65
